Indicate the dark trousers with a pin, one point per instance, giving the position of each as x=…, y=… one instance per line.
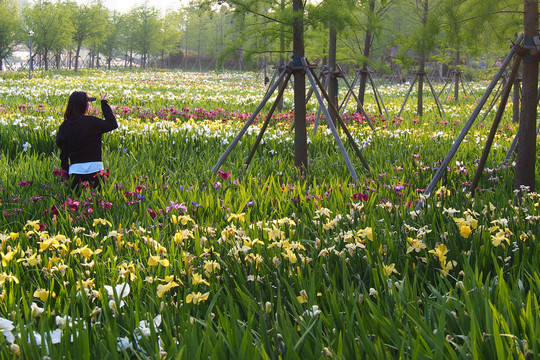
x=92, y=181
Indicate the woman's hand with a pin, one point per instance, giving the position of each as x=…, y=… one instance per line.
x=103, y=96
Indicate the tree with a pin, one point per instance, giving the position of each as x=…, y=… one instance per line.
x=169, y=36
x=9, y=23
x=129, y=35
x=111, y=41
x=464, y=24
x=293, y=20
x=147, y=31
x=300, y=134
x=526, y=157
x=421, y=36
x=336, y=15
x=88, y=22
x=370, y=18
x=51, y=26
x=261, y=28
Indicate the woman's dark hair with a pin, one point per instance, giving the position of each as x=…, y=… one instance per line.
x=77, y=105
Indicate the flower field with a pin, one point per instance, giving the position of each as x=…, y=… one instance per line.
x=169, y=260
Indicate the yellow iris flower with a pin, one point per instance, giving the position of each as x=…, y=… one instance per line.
x=162, y=289
x=240, y=217
x=416, y=245
x=101, y=222
x=197, y=297
x=43, y=294
x=198, y=279
x=156, y=260
x=440, y=251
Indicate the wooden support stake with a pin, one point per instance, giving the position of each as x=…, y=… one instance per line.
x=347, y=133
x=346, y=99
x=469, y=86
x=379, y=96
x=330, y=123
x=514, y=142
x=439, y=105
x=374, y=92
x=265, y=125
x=248, y=123
x=445, y=84
x=310, y=91
x=272, y=81
x=408, y=93
x=495, y=125
x=467, y=126
x=361, y=107
x=316, y=125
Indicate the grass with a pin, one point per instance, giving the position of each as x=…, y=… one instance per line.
x=269, y=262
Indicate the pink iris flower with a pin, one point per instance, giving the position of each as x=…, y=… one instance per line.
x=224, y=174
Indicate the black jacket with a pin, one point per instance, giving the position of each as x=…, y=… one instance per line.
x=80, y=140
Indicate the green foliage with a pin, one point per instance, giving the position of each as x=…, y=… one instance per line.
x=293, y=266
x=9, y=23
x=51, y=26
x=240, y=33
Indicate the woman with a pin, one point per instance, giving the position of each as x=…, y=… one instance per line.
x=79, y=138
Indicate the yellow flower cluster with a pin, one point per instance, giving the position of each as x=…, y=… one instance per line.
x=467, y=224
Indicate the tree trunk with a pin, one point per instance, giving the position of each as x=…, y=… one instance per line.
x=421, y=73
x=333, y=85
x=281, y=52
x=364, y=74
x=45, y=55
x=456, y=78
x=77, y=57
x=186, y=50
x=199, y=50
x=300, y=134
x=526, y=156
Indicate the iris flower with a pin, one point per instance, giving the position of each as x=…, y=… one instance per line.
x=416, y=245
x=440, y=251
x=389, y=269
x=303, y=297
x=121, y=290
x=498, y=238
x=156, y=260
x=239, y=217
x=8, y=256
x=197, y=297
x=162, y=289
x=465, y=231
x=101, y=222
x=365, y=233
x=43, y=294
x=198, y=279
x=224, y=174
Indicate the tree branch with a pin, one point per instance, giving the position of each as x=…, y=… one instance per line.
x=249, y=10
x=495, y=13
